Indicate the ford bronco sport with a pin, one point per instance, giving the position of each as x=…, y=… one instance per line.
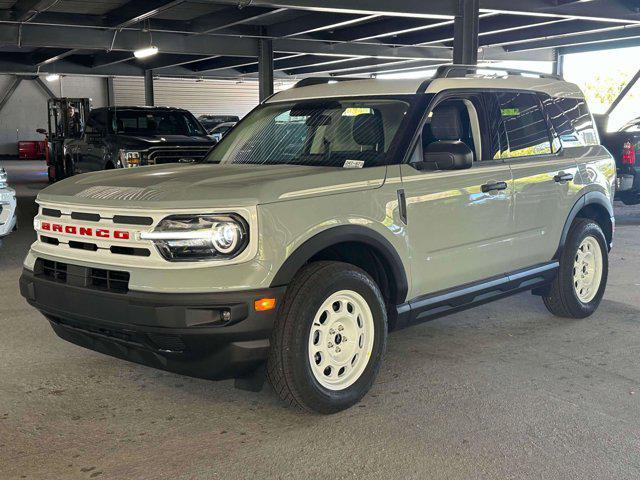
x=334, y=212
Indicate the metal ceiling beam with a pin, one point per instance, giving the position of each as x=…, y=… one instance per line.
x=27, y=10
x=609, y=35
x=136, y=11
x=540, y=32
x=32, y=35
x=315, y=22
x=230, y=17
x=128, y=14
x=606, y=10
x=41, y=59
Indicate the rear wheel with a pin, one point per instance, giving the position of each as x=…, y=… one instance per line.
x=329, y=338
x=579, y=286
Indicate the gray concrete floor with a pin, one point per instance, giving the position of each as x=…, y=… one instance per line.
x=503, y=391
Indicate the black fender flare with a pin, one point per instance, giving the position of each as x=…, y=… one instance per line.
x=590, y=198
x=342, y=234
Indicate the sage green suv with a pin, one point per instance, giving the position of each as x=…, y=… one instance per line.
x=334, y=212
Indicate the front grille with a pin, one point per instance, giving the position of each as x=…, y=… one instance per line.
x=55, y=271
x=96, y=217
x=174, y=155
x=109, y=280
x=86, y=277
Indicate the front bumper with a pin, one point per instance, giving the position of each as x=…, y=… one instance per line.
x=181, y=333
x=8, y=217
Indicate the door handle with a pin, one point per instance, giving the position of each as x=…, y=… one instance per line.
x=494, y=186
x=563, y=177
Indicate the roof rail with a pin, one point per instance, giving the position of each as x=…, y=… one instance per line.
x=448, y=71
x=309, y=81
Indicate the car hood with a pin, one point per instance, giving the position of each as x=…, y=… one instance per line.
x=143, y=142
x=208, y=185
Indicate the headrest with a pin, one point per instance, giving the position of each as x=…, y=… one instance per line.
x=446, y=123
x=368, y=130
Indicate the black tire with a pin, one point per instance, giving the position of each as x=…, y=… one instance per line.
x=288, y=368
x=562, y=299
x=69, y=168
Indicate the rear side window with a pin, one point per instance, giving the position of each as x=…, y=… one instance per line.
x=571, y=121
x=525, y=124
x=495, y=130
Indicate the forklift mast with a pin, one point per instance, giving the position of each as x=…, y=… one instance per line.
x=66, y=120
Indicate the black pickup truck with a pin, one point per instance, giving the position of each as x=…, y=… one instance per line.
x=125, y=137
x=623, y=145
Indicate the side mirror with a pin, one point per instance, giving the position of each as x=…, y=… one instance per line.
x=41, y=131
x=447, y=160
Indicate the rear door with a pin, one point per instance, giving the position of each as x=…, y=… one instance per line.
x=544, y=178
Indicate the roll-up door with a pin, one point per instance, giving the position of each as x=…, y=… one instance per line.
x=200, y=97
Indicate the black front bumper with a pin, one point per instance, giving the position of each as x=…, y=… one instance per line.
x=181, y=333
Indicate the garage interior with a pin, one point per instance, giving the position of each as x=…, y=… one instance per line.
x=501, y=391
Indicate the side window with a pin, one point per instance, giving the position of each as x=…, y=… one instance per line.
x=496, y=134
x=526, y=126
x=571, y=121
x=97, y=122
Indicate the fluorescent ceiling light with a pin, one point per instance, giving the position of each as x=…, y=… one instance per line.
x=146, y=52
x=52, y=77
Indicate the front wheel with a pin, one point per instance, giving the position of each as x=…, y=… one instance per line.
x=329, y=338
x=579, y=286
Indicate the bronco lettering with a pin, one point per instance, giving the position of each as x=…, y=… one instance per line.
x=85, y=231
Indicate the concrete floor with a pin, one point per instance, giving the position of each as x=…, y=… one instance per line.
x=503, y=391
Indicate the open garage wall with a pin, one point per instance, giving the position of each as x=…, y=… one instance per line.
x=26, y=110
x=200, y=97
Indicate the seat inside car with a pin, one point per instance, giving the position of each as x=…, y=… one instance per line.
x=448, y=136
x=368, y=133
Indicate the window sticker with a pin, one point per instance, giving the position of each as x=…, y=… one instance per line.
x=355, y=111
x=510, y=112
x=353, y=164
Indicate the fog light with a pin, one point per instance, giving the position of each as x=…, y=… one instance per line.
x=225, y=315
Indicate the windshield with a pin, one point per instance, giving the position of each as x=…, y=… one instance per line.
x=338, y=133
x=150, y=123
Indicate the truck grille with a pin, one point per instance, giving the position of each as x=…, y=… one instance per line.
x=86, y=277
x=174, y=155
x=96, y=217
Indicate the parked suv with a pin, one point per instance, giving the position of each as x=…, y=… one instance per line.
x=332, y=213
x=623, y=145
x=8, y=216
x=125, y=137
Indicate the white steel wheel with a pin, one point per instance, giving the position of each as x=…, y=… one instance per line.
x=587, y=269
x=341, y=340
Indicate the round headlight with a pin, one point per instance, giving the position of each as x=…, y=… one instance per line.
x=226, y=236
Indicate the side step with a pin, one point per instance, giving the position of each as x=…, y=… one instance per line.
x=429, y=307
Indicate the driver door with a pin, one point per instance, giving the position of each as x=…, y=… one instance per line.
x=458, y=221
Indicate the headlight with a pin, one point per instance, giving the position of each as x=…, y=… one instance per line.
x=200, y=237
x=129, y=159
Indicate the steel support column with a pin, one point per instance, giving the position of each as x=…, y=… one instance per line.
x=466, y=29
x=265, y=67
x=149, y=100
x=111, y=92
